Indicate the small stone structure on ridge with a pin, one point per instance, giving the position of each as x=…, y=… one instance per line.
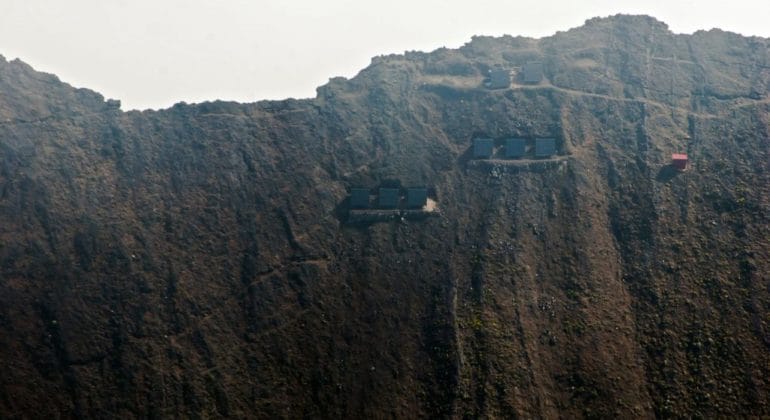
x=483, y=148
x=545, y=147
x=532, y=72
x=499, y=78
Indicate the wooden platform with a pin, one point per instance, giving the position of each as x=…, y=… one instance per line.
x=385, y=215
x=518, y=165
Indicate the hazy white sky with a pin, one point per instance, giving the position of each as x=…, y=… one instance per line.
x=154, y=53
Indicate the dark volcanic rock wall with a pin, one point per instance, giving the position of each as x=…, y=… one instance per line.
x=195, y=261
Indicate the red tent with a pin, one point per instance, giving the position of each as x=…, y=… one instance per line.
x=679, y=160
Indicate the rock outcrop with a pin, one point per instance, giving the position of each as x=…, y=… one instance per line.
x=198, y=261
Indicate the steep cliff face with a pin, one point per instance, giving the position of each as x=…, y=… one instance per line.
x=197, y=261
